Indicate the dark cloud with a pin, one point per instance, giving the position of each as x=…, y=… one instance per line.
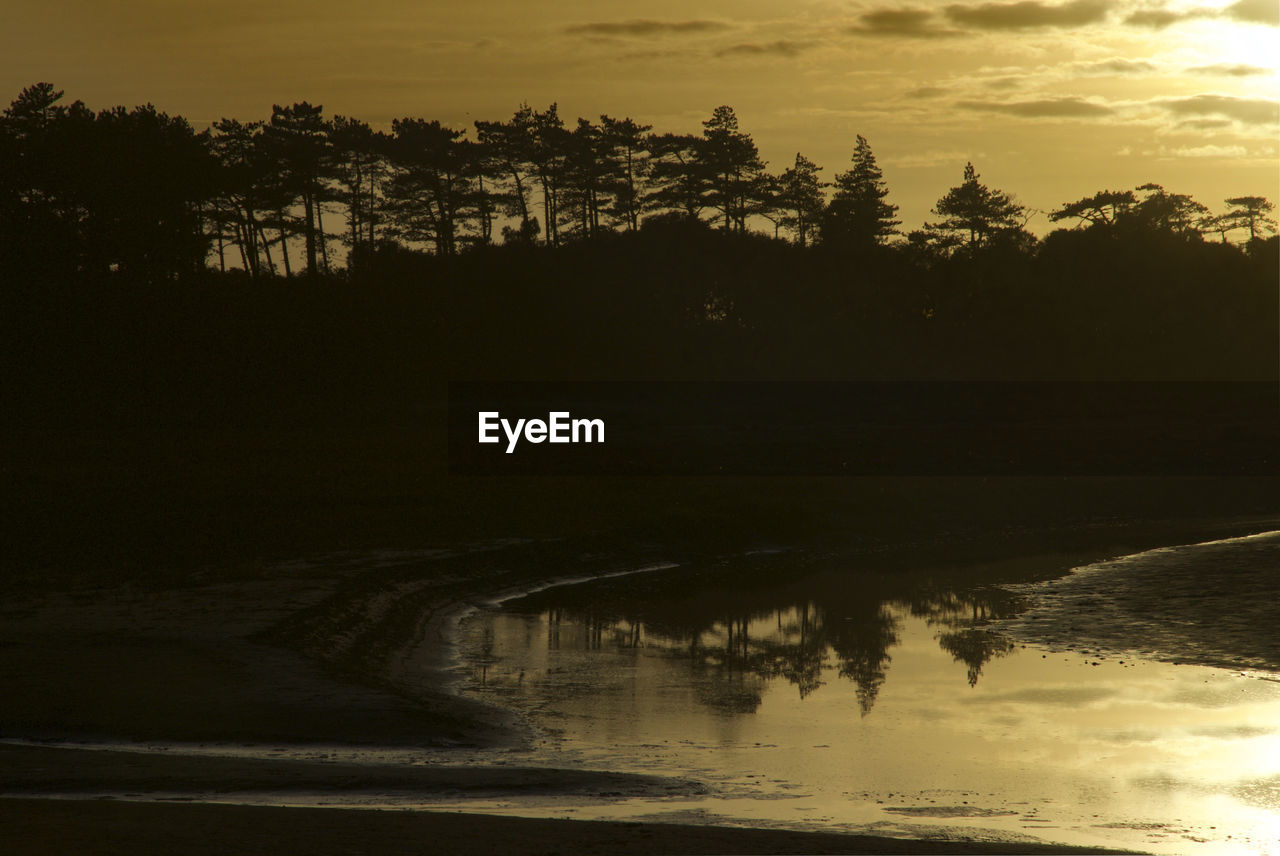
x=782, y=47
x=1229, y=70
x=926, y=92
x=654, y=53
x=646, y=27
x=1245, y=11
x=1255, y=12
x=1065, y=107
x=909, y=23
x=1158, y=19
x=1251, y=111
x=1028, y=14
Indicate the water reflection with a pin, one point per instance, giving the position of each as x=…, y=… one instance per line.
x=884, y=702
x=737, y=638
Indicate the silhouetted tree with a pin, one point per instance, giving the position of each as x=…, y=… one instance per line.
x=359, y=165
x=733, y=168
x=678, y=184
x=430, y=186
x=1104, y=208
x=1252, y=213
x=586, y=172
x=299, y=140
x=858, y=216
x=1175, y=213
x=245, y=190
x=548, y=155
x=629, y=157
x=144, y=213
x=974, y=213
x=45, y=146
x=508, y=152
x=483, y=198
x=799, y=194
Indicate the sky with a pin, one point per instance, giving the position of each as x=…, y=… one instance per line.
x=1051, y=101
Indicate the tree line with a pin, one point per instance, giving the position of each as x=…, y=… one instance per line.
x=142, y=191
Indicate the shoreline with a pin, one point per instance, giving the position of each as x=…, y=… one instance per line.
x=40, y=827
x=218, y=635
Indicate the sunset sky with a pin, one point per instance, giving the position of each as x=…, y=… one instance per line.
x=1050, y=100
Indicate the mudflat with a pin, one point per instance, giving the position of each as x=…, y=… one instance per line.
x=341, y=650
x=142, y=829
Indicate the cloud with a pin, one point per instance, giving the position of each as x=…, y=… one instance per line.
x=1115, y=65
x=1229, y=70
x=1250, y=111
x=653, y=53
x=782, y=47
x=1255, y=12
x=1205, y=124
x=644, y=27
x=909, y=23
x=926, y=92
x=1028, y=14
x=1244, y=11
x=1158, y=19
x=1051, y=108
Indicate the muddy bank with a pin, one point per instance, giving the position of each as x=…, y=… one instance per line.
x=102, y=773
x=1208, y=603
x=190, y=663
x=142, y=829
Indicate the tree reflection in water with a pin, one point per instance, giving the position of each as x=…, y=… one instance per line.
x=738, y=639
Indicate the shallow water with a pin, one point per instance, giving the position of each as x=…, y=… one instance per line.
x=820, y=694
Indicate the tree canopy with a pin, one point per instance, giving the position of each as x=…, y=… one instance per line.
x=284, y=195
x=976, y=215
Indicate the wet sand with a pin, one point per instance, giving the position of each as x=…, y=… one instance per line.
x=42, y=827
x=1211, y=604
x=63, y=770
x=344, y=650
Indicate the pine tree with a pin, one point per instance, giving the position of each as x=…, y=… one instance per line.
x=1252, y=213
x=800, y=196
x=733, y=167
x=858, y=216
x=974, y=213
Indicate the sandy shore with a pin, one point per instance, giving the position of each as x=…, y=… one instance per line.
x=348, y=649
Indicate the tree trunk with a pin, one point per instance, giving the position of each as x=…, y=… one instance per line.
x=284, y=247
x=266, y=248
x=631, y=194
x=524, y=206
x=251, y=242
x=244, y=257
x=324, y=244
x=308, y=210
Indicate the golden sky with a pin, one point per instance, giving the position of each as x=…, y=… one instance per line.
x=1051, y=100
